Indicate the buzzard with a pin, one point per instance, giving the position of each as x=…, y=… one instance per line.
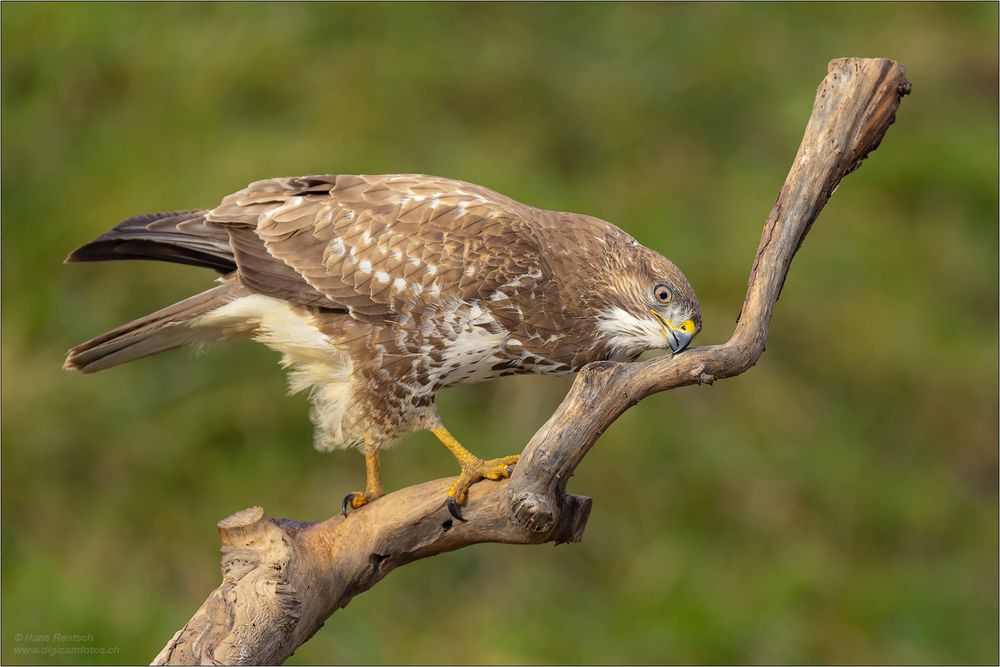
x=379, y=291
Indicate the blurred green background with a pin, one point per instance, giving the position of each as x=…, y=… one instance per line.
x=838, y=503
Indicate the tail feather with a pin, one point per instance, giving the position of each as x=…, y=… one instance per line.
x=183, y=237
x=156, y=332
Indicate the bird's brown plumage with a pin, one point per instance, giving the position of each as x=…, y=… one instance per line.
x=382, y=290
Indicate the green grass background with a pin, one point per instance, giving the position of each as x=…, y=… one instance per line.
x=838, y=503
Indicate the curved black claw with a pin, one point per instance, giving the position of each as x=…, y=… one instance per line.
x=453, y=509
x=347, y=502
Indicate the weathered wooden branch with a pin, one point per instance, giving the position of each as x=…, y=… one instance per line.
x=282, y=579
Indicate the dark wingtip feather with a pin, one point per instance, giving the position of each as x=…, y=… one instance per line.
x=101, y=250
x=182, y=237
x=78, y=255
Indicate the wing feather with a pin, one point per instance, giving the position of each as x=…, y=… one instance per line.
x=376, y=245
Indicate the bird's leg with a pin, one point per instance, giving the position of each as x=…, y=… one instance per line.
x=373, y=483
x=473, y=469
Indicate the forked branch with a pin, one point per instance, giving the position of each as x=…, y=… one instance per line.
x=282, y=579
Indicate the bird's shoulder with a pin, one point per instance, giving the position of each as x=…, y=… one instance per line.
x=339, y=200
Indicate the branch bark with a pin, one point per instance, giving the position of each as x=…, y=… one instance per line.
x=282, y=579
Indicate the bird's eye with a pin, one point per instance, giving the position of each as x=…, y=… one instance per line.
x=662, y=293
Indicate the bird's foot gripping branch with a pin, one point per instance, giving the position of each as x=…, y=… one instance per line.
x=282, y=579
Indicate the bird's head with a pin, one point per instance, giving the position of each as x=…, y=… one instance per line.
x=652, y=305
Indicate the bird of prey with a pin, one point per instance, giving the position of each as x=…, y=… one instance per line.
x=379, y=291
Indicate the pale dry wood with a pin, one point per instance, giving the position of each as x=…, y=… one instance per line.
x=282, y=579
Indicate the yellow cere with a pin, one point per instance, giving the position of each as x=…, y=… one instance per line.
x=687, y=327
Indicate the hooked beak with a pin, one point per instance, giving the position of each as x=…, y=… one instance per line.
x=678, y=337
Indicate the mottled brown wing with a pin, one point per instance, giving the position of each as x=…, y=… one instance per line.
x=383, y=245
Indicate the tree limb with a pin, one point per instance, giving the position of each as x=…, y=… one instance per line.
x=282, y=579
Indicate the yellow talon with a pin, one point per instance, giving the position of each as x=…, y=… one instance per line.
x=373, y=483
x=473, y=470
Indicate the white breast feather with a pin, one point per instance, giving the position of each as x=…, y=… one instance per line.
x=469, y=344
